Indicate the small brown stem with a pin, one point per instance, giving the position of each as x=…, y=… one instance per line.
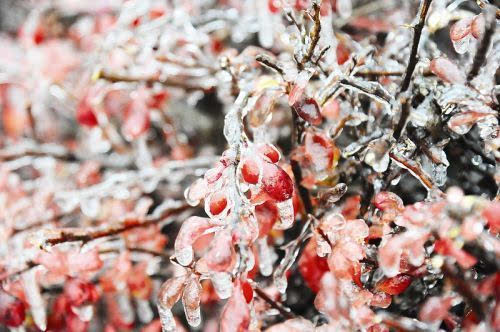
x=72, y=236
x=267, y=61
x=414, y=168
x=314, y=36
x=285, y=312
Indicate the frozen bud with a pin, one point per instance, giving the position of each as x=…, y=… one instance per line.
x=460, y=29
x=236, y=313
x=460, y=35
x=196, y=192
x=170, y=291
x=190, y=231
x=462, y=122
x=191, y=298
x=250, y=171
x=332, y=195
x=276, y=182
x=478, y=26
x=308, y=109
x=447, y=71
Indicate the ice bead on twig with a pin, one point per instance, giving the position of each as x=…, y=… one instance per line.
x=286, y=214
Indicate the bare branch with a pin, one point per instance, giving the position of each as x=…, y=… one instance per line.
x=424, y=9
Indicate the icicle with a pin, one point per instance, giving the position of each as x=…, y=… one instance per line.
x=191, y=298
x=167, y=319
x=34, y=298
x=266, y=257
x=125, y=307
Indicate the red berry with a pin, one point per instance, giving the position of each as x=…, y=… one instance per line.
x=250, y=171
x=218, y=203
x=312, y=267
x=395, y=285
x=308, y=109
x=12, y=310
x=276, y=182
x=247, y=290
x=274, y=6
x=270, y=152
x=85, y=114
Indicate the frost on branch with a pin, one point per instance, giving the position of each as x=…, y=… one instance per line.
x=263, y=165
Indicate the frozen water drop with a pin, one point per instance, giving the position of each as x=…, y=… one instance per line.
x=281, y=283
x=184, y=256
x=144, y=311
x=477, y=160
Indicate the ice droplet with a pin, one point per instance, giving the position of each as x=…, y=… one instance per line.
x=222, y=284
x=184, y=256
x=85, y=313
x=477, y=160
x=166, y=318
x=286, y=214
x=461, y=46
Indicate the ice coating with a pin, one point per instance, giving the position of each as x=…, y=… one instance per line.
x=191, y=297
x=191, y=229
x=236, y=313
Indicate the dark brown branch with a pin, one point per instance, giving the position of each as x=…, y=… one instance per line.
x=267, y=61
x=424, y=9
x=285, y=312
x=414, y=168
x=171, y=82
x=74, y=236
x=484, y=45
x=296, y=169
x=314, y=35
x=375, y=92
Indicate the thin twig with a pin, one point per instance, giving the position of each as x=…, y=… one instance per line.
x=285, y=312
x=314, y=35
x=267, y=61
x=414, y=168
x=74, y=236
x=424, y=9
